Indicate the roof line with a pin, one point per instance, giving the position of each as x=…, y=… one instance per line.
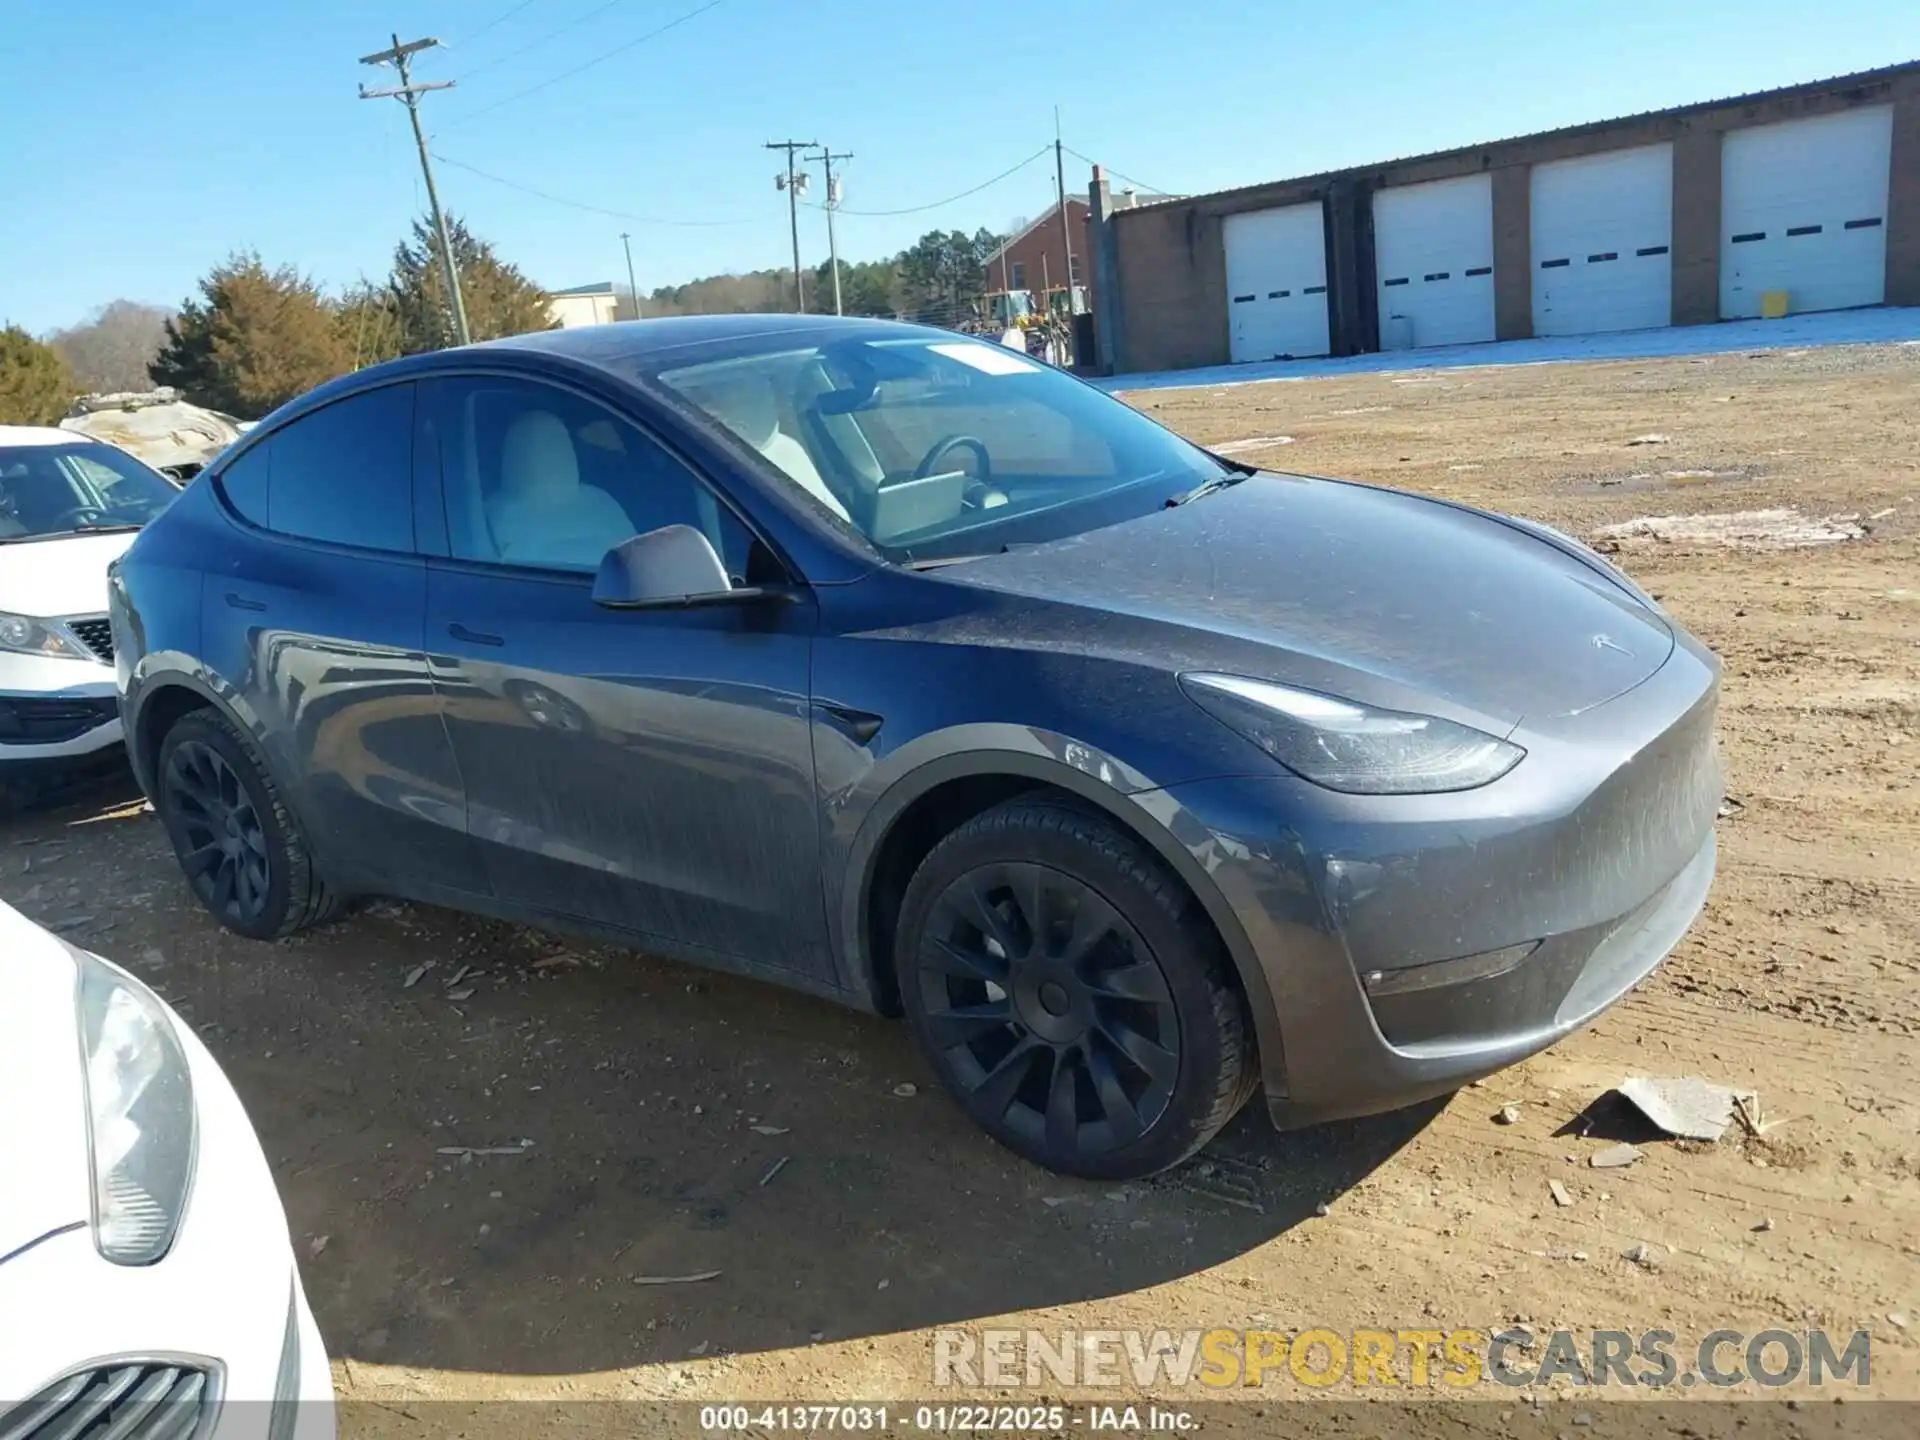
x=1674, y=112
x=1033, y=225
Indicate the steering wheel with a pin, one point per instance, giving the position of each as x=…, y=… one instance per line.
x=956, y=442
x=980, y=487
x=82, y=515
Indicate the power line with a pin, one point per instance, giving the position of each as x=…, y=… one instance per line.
x=793, y=182
x=536, y=43
x=1119, y=174
x=693, y=14
x=497, y=20
x=984, y=184
x=581, y=204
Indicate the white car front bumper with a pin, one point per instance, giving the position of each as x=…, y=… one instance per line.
x=225, y=1299
x=54, y=709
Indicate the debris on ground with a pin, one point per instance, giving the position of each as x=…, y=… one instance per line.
x=1614, y=1157
x=414, y=975
x=1646, y=1256
x=465, y=992
x=564, y=960
x=693, y=1279
x=1766, y=1223
x=769, y=1129
x=1784, y=528
x=317, y=1244
x=457, y=976
x=1561, y=1195
x=1653, y=439
x=467, y=1150
x=1729, y=807
x=906, y=1089
x=1688, y=1108
x=1897, y=1320
x=773, y=1170
x=1508, y=1114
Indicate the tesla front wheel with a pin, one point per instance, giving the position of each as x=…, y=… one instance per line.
x=239, y=845
x=1069, y=995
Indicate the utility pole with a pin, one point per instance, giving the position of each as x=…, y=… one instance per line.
x=826, y=157
x=795, y=184
x=408, y=93
x=633, y=289
x=1060, y=184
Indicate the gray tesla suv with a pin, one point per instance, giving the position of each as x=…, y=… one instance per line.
x=898, y=667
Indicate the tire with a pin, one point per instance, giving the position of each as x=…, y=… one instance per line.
x=256, y=875
x=1118, y=1046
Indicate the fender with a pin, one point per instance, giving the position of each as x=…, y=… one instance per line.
x=1149, y=814
x=164, y=669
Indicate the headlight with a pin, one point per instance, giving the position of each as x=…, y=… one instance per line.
x=25, y=635
x=140, y=1118
x=1349, y=747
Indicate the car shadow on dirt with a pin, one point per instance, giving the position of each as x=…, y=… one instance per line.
x=505, y=1152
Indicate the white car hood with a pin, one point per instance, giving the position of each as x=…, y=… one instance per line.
x=67, y=576
x=43, y=1105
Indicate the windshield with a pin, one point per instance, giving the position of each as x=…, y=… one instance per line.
x=942, y=447
x=48, y=490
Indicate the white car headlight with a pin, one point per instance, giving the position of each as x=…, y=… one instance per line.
x=140, y=1115
x=1349, y=747
x=25, y=635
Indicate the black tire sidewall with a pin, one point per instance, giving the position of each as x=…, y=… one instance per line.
x=218, y=736
x=1157, y=908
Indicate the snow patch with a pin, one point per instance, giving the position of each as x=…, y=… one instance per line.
x=1881, y=325
x=1782, y=529
x=1252, y=442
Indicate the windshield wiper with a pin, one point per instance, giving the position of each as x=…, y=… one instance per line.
x=1207, y=487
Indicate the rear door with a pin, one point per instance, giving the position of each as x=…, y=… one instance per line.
x=650, y=770
x=315, y=613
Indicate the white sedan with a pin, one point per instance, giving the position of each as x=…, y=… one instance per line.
x=69, y=506
x=148, y=1289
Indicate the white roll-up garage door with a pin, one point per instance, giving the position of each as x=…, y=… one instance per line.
x=1803, y=208
x=1433, y=254
x=1277, y=283
x=1602, y=233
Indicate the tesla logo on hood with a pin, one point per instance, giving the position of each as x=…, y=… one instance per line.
x=1607, y=642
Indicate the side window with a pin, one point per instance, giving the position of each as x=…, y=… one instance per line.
x=244, y=483
x=345, y=473
x=537, y=476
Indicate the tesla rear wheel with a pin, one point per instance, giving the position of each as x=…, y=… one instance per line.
x=1069, y=996
x=239, y=845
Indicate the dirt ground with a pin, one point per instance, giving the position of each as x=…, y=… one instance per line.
x=658, y=1100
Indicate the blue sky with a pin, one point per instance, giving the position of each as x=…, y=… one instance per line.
x=143, y=142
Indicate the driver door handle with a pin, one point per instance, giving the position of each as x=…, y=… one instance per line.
x=473, y=637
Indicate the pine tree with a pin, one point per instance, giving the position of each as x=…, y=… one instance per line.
x=35, y=385
x=500, y=300
x=255, y=339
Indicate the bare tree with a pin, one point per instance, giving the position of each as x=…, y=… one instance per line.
x=112, y=349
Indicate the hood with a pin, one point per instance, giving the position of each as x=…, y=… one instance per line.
x=43, y=1108
x=61, y=575
x=1435, y=600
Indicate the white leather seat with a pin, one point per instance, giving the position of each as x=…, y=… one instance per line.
x=541, y=514
x=745, y=404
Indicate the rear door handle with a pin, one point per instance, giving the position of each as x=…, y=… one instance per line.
x=473, y=637
x=241, y=602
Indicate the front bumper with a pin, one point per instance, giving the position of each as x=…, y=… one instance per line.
x=226, y=1299
x=1599, y=847
x=54, y=709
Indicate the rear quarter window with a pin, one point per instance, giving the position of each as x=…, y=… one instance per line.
x=244, y=484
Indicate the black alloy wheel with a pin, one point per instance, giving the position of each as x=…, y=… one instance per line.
x=243, y=852
x=1067, y=998
x=226, y=853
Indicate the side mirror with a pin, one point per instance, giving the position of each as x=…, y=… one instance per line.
x=672, y=568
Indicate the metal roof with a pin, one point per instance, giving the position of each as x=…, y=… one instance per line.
x=1586, y=127
x=599, y=287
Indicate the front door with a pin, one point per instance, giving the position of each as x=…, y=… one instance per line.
x=650, y=770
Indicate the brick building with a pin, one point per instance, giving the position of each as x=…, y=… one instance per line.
x=1035, y=260
x=1802, y=198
